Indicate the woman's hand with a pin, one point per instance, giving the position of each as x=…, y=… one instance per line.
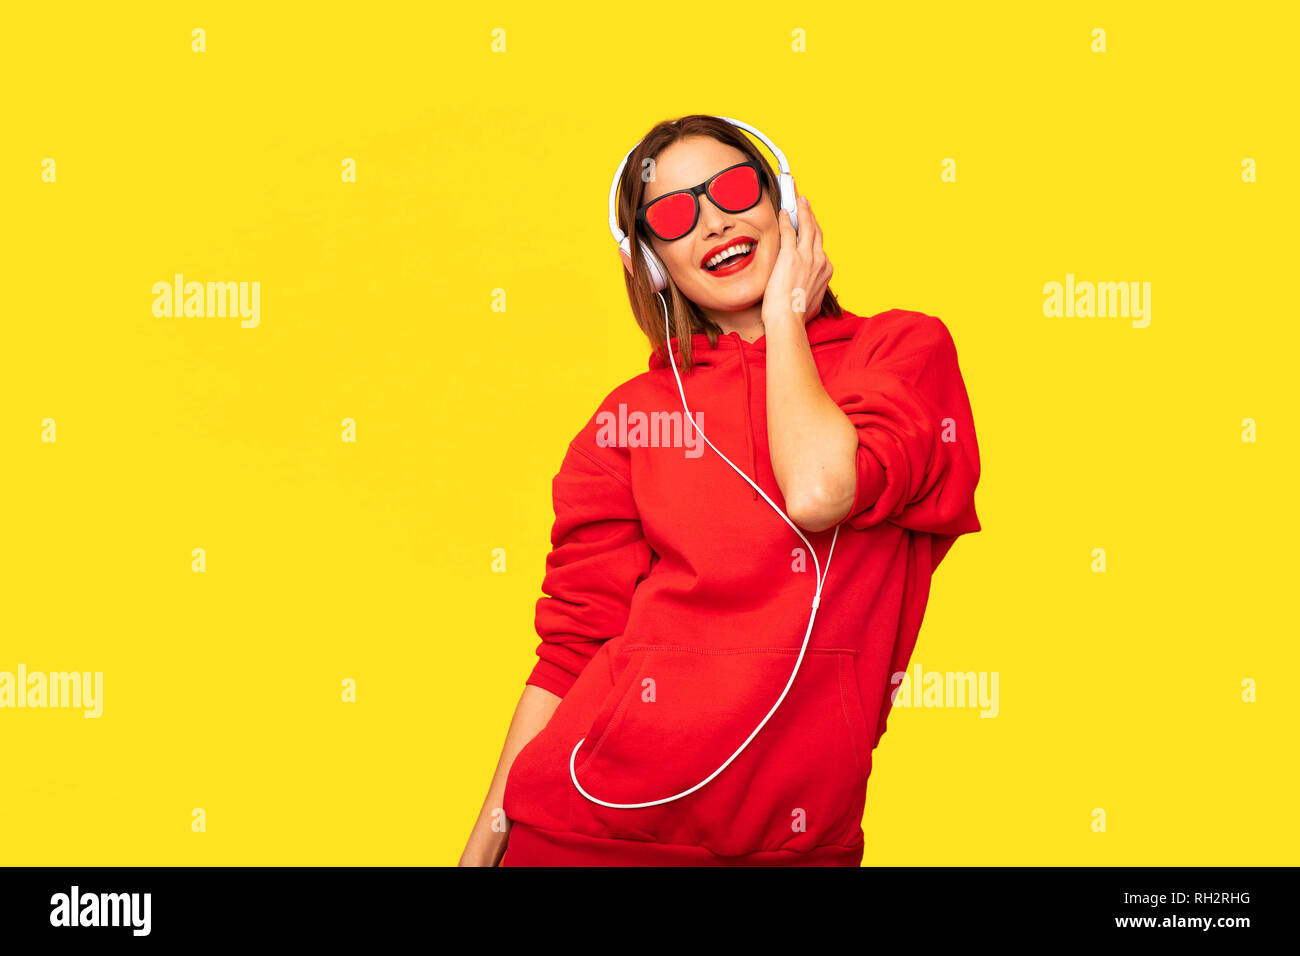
x=802, y=271
x=487, y=840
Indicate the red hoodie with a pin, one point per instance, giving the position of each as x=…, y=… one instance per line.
x=677, y=602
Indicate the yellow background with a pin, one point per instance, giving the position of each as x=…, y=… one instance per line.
x=481, y=170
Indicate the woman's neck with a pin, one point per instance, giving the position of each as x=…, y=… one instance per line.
x=748, y=322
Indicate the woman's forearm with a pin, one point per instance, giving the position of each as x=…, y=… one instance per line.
x=813, y=444
x=487, y=841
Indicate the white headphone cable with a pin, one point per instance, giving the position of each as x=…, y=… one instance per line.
x=816, y=603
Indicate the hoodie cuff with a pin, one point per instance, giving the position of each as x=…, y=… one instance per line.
x=871, y=481
x=552, y=677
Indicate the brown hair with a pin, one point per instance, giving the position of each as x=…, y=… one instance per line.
x=684, y=316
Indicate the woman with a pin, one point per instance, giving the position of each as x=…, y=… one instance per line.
x=676, y=599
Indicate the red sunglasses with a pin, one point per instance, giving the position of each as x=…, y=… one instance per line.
x=674, y=214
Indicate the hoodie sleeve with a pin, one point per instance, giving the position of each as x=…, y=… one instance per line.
x=917, y=458
x=598, y=556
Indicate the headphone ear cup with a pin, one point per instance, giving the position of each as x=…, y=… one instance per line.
x=788, y=201
x=625, y=253
x=657, y=273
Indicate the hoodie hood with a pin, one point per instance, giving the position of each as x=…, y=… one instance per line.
x=821, y=329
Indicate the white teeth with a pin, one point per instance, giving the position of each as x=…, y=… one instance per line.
x=739, y=249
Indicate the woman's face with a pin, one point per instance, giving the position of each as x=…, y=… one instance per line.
x=689, y=162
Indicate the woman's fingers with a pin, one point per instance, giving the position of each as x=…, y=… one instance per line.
x=787, y=234
x=820, y=261
x=810, y=232
x=802, y=206
x=816, y=245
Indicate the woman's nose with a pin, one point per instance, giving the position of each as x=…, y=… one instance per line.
x=713, y=221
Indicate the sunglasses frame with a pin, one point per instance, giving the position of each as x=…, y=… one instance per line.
x=703, y=189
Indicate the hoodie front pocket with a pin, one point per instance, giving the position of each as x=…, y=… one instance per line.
x=675, y=714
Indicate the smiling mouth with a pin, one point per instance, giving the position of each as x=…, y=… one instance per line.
x=731, y=262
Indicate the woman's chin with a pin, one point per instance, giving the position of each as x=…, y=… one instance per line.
x=733, y=300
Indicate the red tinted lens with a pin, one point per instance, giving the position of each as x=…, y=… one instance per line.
x=736, y=189
x=672, y=216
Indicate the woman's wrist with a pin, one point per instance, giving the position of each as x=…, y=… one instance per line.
x=784, y=328
x=485, y=846
x=777, y=316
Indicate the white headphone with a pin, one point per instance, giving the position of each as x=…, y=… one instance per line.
x=658, y=277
